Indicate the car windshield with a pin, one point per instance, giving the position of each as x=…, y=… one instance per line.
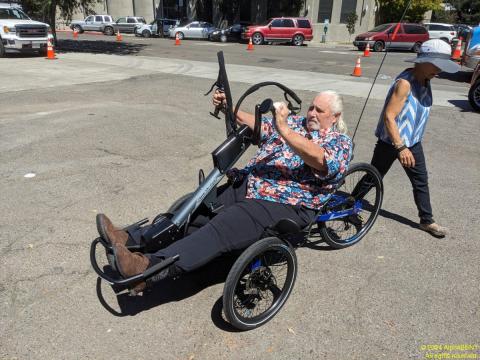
x=13, y=13
x=381, y=28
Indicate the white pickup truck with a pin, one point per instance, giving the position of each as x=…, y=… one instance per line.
x=18, y=33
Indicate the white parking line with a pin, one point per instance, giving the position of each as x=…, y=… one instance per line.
x=338, y=52
x=212, y=43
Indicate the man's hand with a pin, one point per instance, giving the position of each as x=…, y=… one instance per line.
x=281, y=116
x=406, y=158
x=219, y=99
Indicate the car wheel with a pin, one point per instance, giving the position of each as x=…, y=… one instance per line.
x=297, y=40
x=78, y=29
x=416, y=47
x=474, y=96
x=257, y=39
x=378, y=46
x=2, y=49
x=108, y=31
x=180, y=35
x=146, y=34
x=223, y=38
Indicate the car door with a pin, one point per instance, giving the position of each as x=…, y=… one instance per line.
x=130, y=26
x=122, y=24
x=275, y=29
x=288, y=28
x=398, y=40
x=412, y=34
x=97, y=23
x=194, y=31
x=89, y=23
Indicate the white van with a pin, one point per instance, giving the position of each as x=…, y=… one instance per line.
x=18, y=33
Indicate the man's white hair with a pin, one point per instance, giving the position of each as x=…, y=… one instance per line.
x=336, y=107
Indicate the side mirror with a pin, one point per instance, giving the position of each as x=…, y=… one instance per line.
x=270, y=26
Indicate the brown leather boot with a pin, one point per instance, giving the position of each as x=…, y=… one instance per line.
x=109, y=232
x=130, y=264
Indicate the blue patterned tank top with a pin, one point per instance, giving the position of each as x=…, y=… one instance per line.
x=413, y=117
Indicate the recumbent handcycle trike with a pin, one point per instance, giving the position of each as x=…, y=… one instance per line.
x=262, y=278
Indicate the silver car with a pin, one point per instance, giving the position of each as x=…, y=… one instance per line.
x=193, y=30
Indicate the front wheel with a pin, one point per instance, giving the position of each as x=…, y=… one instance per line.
x=180, y=35
x=416, y=47
x=378, y=46
x=146, y=34
x=257, y=39
x=223, y=38
x=474, y=96
x=297, y=40
x=360, y=195
x=78, y=29
x=259, y=283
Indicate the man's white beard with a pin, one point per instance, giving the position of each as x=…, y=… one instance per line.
x=313, y=125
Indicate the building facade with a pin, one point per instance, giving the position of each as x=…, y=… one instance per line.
x=223, y=12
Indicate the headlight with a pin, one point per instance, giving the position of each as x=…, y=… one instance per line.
x=368, y=39
x=215, y=32
x=7, y=29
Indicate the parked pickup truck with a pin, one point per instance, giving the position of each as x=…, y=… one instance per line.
x=18, y=33
x=102, y=23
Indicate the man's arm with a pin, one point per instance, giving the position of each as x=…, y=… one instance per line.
x=393, y=108
x=312, y=154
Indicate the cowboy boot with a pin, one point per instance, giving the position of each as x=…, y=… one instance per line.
x=109, y=232
x=130, y=264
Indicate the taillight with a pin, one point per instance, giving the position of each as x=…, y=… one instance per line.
x=452, y=33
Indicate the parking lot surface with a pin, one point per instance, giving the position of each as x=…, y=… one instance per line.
x=125, y=133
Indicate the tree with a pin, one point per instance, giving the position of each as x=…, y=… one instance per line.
x=392, y=10
x=351, y=20
x=46, y=10
x=467, y=11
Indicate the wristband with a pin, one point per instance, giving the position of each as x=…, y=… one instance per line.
x=401, y=148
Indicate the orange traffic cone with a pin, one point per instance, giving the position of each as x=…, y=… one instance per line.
x=50, y=51
x=75, y=34
x=357, y=71
x=250, y=45
x=457, y=53
x=366, y=52
x=119, y=36
x=177, y=40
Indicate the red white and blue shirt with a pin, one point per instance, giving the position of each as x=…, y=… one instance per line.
x=276, y=173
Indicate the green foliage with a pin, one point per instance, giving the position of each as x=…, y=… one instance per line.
x=392, y=10
x=467, y=11
x=351, y=20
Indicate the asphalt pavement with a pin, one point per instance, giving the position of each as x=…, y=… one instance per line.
x=123, y=128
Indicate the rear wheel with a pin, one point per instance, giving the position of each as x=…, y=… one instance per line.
x=378, y=46
x=108, y=31
x=259, y=283
x=257, y=39
x=297, y=40
x=361, y=189
x=474, y=96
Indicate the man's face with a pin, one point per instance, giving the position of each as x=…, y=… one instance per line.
x=429, y=70
x=319, y=115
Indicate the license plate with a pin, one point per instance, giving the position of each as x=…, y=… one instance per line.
x=36, y=45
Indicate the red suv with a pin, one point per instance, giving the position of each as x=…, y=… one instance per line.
x=285, y=29
x=409, y=37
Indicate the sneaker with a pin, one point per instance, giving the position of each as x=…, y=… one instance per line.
x=434, y=229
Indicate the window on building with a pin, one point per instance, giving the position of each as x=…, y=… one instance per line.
x=325, y=10
x=348, y=6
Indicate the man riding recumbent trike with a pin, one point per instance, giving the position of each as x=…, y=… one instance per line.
x=299, y=181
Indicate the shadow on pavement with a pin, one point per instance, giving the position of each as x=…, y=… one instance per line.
x=403, y=220
x=170, y=290
x=462, y=104
x=99, y=47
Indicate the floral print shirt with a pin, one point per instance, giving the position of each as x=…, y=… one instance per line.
x=276, y=173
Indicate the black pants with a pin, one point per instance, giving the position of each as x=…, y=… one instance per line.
x=240, y=224
x=385, y=155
